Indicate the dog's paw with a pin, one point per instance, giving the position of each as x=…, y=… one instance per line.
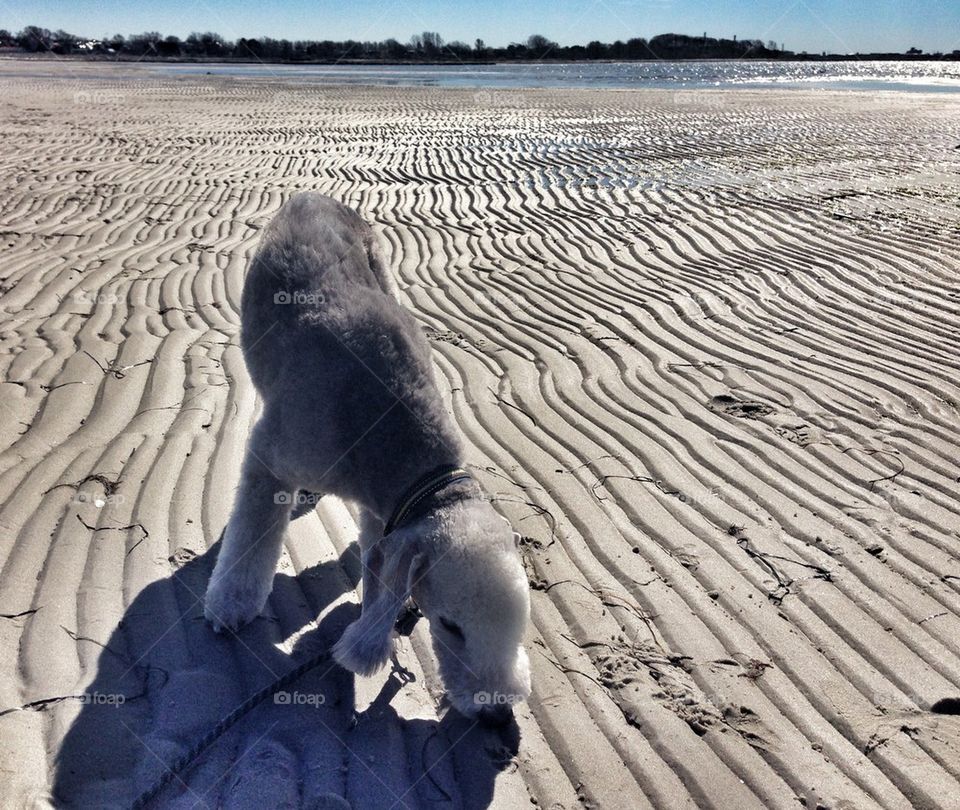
x=232, y=602
x=362, y=649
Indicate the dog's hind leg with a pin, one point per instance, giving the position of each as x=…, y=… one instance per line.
x=252, y=541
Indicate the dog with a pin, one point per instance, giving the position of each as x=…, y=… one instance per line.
x=351, y=409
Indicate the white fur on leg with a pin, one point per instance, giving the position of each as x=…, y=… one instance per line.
x=240, y=585
x=363, y=649
x=243, y=577
x=388, y=567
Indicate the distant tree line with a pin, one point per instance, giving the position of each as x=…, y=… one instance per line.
x=426, y=47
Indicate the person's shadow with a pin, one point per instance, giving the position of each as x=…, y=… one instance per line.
x=164, y=679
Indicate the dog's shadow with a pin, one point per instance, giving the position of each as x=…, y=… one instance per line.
x=164, y=680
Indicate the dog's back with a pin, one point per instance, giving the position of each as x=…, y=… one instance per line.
x=318, y=270
x=328, y=346
x=313, y=233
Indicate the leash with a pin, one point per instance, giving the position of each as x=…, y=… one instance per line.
x=225, y=724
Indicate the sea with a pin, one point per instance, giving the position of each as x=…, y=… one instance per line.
x=919, y=76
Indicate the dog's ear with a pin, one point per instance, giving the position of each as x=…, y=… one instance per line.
x=392, y=566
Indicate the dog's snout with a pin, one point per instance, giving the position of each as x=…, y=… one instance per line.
x=497, y=715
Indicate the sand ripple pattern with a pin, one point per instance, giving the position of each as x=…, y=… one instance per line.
x=703, y=347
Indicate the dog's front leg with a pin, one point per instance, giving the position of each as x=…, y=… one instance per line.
x=243, y=576
x=371, y=530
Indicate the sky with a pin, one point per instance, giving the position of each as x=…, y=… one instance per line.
x=837, y=26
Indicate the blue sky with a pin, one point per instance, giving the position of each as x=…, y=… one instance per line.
x=812, y=25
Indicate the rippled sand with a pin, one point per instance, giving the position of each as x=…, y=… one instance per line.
x=704, y=350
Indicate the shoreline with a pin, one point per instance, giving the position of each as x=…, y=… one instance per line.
x=107, y=71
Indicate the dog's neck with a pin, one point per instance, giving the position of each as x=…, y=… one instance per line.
x=441, y=485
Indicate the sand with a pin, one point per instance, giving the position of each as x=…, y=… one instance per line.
x=703, y=347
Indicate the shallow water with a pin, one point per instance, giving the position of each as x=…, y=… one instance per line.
x=874, y=75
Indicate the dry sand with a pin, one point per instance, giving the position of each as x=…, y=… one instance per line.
x=704, y=350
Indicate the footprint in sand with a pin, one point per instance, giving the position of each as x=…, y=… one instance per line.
x=447, y=336
x=799, y=434
x=741, y=408
x=784, y=423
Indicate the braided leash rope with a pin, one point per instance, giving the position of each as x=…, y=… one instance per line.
x=224, y=725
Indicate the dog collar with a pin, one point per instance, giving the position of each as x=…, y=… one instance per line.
x=423, y=488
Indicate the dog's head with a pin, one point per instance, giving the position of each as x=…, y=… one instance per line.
x=462, y=566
